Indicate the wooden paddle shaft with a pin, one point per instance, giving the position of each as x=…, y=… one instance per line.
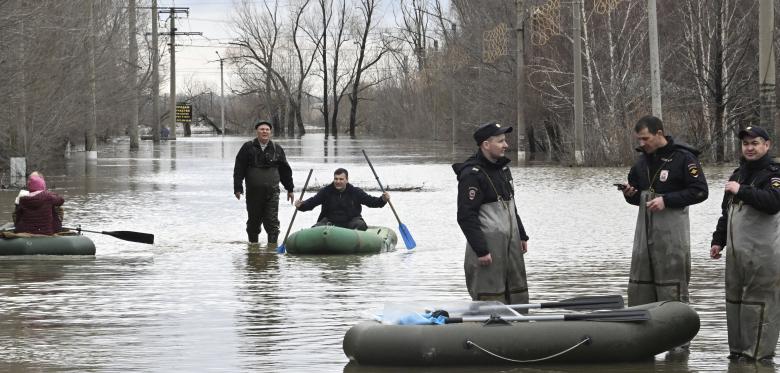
x=382, y=188
x=306, y=184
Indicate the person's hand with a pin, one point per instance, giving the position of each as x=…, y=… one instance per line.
x=656, y=204
x=238, y=195
x=524, y=246
x=485, y=260
x=298, y=203
x=715, y=251
x=629, y=191
x=386, y=196
x=732, y=187
x=290, y=197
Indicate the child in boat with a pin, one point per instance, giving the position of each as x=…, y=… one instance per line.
x=37, y=208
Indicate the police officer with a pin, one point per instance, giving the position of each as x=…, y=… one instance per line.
x=262, y=164
x=750, y=228
x=487, y=215
x=665, y=180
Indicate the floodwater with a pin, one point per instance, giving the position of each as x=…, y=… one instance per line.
x=199, y=300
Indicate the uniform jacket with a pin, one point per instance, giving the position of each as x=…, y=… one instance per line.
x=251, y=155
x=474, y=190
x=759, y=187
x=341, y=206
x=673, y=171
x=36, y=213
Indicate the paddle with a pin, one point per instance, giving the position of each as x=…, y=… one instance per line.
x=282, y=249
x=616, y=316
x=139, y=237
x=408, y=240
x=600, y=302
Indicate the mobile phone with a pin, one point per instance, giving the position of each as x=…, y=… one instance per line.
x=620, y=186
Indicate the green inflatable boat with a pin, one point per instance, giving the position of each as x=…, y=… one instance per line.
x=330, y=239
x=12, y=244
x=664, y=326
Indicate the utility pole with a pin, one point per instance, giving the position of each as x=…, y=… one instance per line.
x=221, y=93
x=90, y=143
x=132, y=128
x=155, y=78
x=766, y=66
x=655, y=66
x=172, y=34
x=579, y=135
x=520, y=25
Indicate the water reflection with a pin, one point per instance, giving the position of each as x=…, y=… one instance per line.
x=200, y=300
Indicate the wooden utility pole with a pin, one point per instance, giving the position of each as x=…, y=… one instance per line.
x=579, y=132
x=90, y=143
x=221, y=93
x=520, y=28
x=172, y=34
x=766, y=66
x=155, y=77
x=132, y=128
x=655, y=67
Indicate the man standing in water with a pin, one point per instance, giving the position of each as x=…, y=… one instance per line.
x=749, y=228
x=665, y=180
x=262, y=163
x=487, y=215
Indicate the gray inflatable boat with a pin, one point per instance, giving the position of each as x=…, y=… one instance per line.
x=669, y=324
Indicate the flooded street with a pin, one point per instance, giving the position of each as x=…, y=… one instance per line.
x=199, y=300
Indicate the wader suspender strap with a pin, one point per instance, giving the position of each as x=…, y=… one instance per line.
x=503, y=203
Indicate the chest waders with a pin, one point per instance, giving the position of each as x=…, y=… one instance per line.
x=752, y=281
x=661, y=258
x=504, y=280
x=262, y=200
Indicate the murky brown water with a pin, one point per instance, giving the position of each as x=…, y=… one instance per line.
x=198, y=300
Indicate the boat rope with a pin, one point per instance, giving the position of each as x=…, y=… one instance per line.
x=580, y=343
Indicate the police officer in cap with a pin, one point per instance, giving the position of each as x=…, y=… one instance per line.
x=261, y=164
x=750, y=228
x=665, y=180
x=487, y=215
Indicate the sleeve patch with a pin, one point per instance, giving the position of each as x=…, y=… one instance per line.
x=693, y=170
x=472, y=193
x=775, y=182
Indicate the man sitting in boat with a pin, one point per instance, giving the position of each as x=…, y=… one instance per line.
x=342, y=203
x=37, y=208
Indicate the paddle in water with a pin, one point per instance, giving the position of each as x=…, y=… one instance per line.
x=139, y=237
x=408, y=240
x=282, y=249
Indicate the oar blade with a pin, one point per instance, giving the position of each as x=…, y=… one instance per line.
x=139, y=237
x=408, y=240
x=616, y=316
x=281, y=249
x=599, y=302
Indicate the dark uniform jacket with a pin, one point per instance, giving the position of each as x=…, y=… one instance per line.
x=251, y=155
x=341, y=206
x=474, y=190
x=673, y=171
x=759, y=187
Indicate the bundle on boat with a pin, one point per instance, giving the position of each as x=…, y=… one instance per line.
x=485, y=333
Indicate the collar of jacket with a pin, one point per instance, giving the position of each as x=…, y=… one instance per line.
x=256, y=143
x=483, y=161
x=346, y=188
x=758, y=164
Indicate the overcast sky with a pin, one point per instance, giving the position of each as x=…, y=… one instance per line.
x=196, y=58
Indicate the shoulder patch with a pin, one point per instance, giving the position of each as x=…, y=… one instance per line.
x=775, y=182
x=693, y=169
x=472, y=193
